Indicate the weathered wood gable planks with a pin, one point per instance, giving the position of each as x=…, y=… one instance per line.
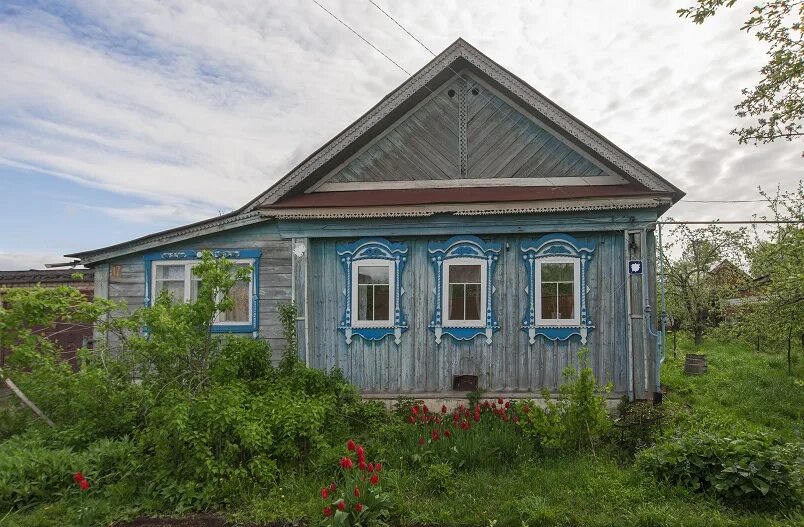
x=499, y=141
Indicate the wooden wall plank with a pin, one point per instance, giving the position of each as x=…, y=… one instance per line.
x=418, y=365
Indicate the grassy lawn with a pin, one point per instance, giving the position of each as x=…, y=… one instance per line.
x=741, y=390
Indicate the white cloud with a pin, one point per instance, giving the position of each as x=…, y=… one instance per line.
x=201, y=107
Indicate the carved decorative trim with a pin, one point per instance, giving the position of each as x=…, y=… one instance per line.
x=534, y=99
x=465, y=209
x=464, y=247
x=548, y=247
x=373, y=249
x=226, y=222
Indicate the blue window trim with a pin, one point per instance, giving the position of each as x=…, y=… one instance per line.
x=373, y=249
x=464, y=247
x=195, y=254
x=552, y=245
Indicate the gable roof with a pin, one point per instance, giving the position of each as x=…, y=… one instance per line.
x=458, y=57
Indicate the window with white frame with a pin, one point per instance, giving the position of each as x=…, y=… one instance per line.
x=464, y=294
x=177, y=279
x=558, y=291
x=373, y=293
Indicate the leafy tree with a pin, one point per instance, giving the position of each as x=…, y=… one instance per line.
x=26, y=317
x=777, y=101
x=171, y=343
x=777, y=314
x=696, y=296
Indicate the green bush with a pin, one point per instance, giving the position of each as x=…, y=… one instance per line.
x=578, y=420
x=440, y=477
x=749, y=470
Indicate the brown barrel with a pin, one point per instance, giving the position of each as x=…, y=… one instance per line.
x=695, y=364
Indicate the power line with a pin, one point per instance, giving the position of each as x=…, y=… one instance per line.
x=402, y=27
x=724, y=200
x=727, y=222
x=378, y=50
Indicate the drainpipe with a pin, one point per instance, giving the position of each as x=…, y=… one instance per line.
x=648, y=312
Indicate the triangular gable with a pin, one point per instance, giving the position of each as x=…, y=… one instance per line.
x=466, y=131
x=460, y=56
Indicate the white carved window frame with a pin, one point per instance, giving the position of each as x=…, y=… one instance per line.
x=445, y=297
x=576, y=292
x=390, y=265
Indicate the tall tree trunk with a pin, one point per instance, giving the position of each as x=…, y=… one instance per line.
x=698, y=335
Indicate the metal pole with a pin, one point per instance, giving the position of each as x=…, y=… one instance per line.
x=664, y=306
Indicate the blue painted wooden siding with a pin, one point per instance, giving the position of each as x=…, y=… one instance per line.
x=418, y=365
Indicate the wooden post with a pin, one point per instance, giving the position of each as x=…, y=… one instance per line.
x=789, y=343
x=27, y=402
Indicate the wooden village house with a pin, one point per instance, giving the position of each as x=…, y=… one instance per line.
x=465, y=230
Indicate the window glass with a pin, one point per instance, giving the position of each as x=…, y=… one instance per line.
x=241, y=295
x=174, y=288
x=464, y=292
x=558, y=291
x=373, y=292
x=182, y=285
x=170, y=272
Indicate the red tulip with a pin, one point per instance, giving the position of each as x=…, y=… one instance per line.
x=525, y=409
x=412, y=419
x=374, y=479
x=499, y=400
x=421, y=440
x=414, y=409
x=371, y=467
x=425, y=409
x=516, y=419
x=357, y=492
x=327, y=511
x=507, y=404
x=377, y=467
x=350, y=445
x=341, y=505
x=477, y=417
x=362, y=465
x=435, y=435
x=447, y=434
x=78, y=477
x=324, y=493
x=83, y=484
x=443, y=408
x=505, y=418
x=332, y=487
x=347, y=463
x=358, y=507
x=361, y=454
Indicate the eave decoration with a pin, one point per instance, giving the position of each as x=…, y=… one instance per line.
x=374, y=249
x=462, y=247
x=550, y=246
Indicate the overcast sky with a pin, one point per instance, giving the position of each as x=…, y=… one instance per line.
x=118, y=119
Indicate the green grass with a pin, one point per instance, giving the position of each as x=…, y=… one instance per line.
x=742, y=389
x=579, y=491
